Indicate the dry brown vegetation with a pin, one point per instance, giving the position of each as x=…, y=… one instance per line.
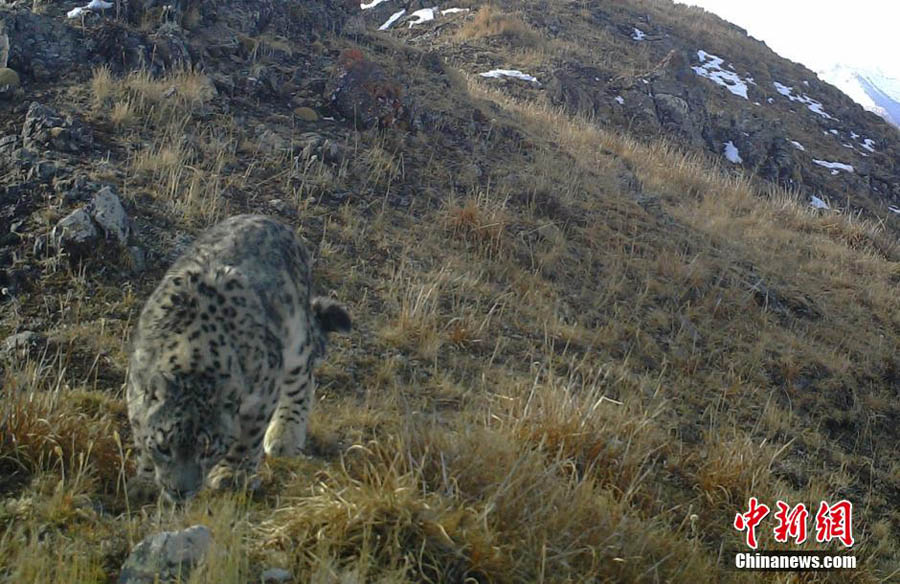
x=576, y=368
x=491, y=22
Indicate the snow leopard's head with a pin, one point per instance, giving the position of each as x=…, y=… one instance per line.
x=183, y=431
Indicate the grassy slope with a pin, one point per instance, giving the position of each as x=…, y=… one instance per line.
x=563, y=369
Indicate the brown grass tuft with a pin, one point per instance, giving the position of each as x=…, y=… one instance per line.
x=490, y=22
x=46, y=428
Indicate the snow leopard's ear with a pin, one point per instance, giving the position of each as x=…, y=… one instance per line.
x=331, y=316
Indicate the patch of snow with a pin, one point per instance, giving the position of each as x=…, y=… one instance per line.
x=893, y=209
x=447, y=11
x=620, y=100
x=816, y=107
x=711, y=68
x=817, y=203
x=770, y=100
x=806, y=83
x=731, y=152
x=394, y=18
x=421, y=15
x=371, y=4
x=92, y=6
x=869, y=144
x=638, y=34
x=810, y=103
x=498, y=73
x=783, y=89
x=835, y=132
x=853, y=135
x=834, y=166
x=798, y=145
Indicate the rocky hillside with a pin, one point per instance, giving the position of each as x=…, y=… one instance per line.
x=613, y=267
x=651, y=69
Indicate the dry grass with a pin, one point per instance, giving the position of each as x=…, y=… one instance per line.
x=480, y=221
x=157, y=111
x=490, y=22
x=47, y=427
x=157, y=98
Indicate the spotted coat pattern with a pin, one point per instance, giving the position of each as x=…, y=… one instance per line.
x=223, y=355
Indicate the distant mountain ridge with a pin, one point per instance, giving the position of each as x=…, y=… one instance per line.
x=875, y=91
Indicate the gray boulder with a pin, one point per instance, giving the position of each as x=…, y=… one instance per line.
x=74, y=232
x=276, y=576
x=106, y=209
x=166, y=556
x=80, y=230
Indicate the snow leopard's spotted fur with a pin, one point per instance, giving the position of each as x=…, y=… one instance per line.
x=223, y=356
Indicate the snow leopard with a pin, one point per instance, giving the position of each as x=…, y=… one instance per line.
x=222, y=358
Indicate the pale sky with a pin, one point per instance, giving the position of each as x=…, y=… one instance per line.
x=821, y=33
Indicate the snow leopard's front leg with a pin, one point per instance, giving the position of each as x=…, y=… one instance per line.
x=239, y=467
x=286, y=434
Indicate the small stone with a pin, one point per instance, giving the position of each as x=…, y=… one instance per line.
x=107, y=211
x=8, y=78
x=166, y=556
x=306, y=114
x=138, y=259
x=19, y=344
x=270, y=142
x=74, y=231
x=44, y=170
x=276, y=576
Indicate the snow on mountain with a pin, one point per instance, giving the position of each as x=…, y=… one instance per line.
x=811, y=104
x=711, y=68
x=870, y=88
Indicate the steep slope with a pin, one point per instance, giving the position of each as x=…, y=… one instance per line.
x=584, y=337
